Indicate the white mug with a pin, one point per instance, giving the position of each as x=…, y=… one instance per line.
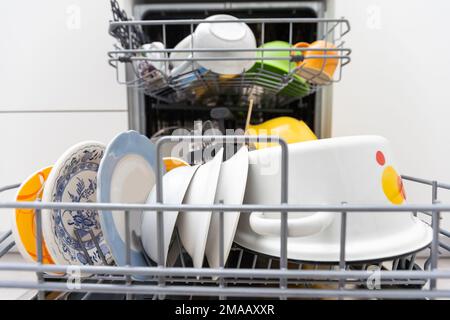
x=356, y=170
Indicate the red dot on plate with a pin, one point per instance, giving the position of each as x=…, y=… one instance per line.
x=380, y=158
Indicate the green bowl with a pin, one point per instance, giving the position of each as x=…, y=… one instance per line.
x=298, y=87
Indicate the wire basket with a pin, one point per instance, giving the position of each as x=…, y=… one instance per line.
x=246, y=274
x=200, y=85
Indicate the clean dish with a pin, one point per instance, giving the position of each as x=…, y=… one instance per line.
x=175, y=185
x=193, y=226
x=264, y=71
x=225, y=35
x=317, y=70
x=290, y=129
x=184, y=44
x=24, y=222
x=357, y=170
x=70, y=235
x=230, y=190
x=187, y=71
x=127, y=174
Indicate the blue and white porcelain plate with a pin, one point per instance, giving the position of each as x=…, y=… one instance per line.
x=127, y=174
x=71, y=235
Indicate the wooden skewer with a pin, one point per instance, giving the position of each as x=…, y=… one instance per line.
x=249, y=114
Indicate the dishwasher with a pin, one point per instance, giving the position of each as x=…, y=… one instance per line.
x=157, y=109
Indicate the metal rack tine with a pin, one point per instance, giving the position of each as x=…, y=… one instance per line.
x=412, y=262
x=128, y=279
x=5, y=235
x=7, y=247
x=81, y=243
x=97, y=246
x=137, y=240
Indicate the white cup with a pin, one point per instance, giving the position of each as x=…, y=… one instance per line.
x=356, y=170
x=229, y=36
x=226, y=35
x=184, y=44
x=184, y=71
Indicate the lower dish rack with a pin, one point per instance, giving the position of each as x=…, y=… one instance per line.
x=246, y=274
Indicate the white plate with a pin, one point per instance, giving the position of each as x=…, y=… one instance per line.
x=230, y=190
x=193, y=226
x=309, y=249
x=126, y=175
x=175, y=185
x=74, y=179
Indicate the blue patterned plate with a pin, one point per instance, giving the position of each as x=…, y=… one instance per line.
x=127, y=174
x=74, y=237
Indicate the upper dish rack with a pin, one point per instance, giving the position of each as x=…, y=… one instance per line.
x=203, y=86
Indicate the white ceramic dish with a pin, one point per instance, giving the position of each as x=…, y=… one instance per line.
x=357, y=170
x=126, y=175
x=74, y=179
x=193, y=226
x=175, y=185
x=230, y=190
x=185, y=72
x=226, y=35
x=184, y=44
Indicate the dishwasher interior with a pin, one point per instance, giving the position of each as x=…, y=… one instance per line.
x=150, y=115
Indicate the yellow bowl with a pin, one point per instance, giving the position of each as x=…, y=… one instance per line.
x=287, y=128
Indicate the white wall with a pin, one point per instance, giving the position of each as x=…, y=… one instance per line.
x=53, y=62
x=53, y=56
x=397, y=84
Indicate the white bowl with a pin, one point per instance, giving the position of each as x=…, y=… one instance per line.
x=225, y=35
x=184, y=44
x=358, y=170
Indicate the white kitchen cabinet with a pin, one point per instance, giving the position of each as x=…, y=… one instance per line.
x=54, y=56
x=33, y=141
x=397, y=84
x=54, y=60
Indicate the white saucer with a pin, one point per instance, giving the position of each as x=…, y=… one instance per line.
x=230, y=190
x=193, y=226
x=175, y=185
x=312, y=249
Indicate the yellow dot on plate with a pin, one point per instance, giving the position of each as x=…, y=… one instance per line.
x=392, y=185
